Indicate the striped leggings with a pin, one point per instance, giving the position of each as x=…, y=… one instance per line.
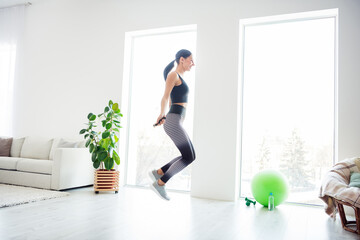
x=174, y=129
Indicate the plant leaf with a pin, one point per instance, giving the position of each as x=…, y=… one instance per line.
x=106, y=109
x=116, y=157
x=108, y=125
x=96, y=164
x=82, y=131
x=115, y=106
x=105, y=134
x=104, y=143
x=102, y=156
x=89, y=115
x=109, y=163
x=87, y=142
x=93, y=156
x=92, y=147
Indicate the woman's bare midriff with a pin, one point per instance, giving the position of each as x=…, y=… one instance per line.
x=181, y=104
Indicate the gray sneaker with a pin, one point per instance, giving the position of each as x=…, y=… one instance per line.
x=154, y=175
x=159, y=190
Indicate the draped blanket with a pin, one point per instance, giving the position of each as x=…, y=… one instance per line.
x=336, y=185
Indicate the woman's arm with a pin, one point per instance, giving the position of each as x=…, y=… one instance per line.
x=170, y=83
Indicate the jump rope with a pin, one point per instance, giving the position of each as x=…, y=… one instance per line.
x=156, y=124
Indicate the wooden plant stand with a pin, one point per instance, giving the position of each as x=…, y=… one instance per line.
x=345, y=223
x=106, y=180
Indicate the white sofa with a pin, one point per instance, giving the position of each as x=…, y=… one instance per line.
x=47, y=163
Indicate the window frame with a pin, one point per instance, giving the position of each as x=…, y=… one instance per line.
x=127, y=86
x=304, y=16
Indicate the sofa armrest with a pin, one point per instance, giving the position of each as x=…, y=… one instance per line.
x=72, y=168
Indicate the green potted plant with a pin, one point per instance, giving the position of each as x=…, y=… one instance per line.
x=103, y=143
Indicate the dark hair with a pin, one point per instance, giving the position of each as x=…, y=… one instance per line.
x=182, y=53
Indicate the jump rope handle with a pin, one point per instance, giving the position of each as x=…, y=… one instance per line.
x=156, y=124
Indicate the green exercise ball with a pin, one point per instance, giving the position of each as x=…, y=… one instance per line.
x=269, y=181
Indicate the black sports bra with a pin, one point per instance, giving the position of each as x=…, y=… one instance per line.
x=179, y=94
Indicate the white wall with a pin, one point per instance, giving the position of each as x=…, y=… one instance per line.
x=74, y=52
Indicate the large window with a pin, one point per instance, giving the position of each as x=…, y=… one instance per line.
x=11, y=30
x=148, y=147
x=289, y=100
x=7, y=71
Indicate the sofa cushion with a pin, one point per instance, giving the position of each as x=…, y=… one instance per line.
x=53, y=147
x=36, y=147
x=16, y=147
x=354, y=179
x=63, y=143
x=8, y=163
x=5, y=146
x=34, y=166
x=67, y=144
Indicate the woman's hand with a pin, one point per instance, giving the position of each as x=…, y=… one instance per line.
x=160, y=120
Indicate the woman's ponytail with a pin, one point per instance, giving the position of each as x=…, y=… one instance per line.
x=168, y=69
x=182, y=53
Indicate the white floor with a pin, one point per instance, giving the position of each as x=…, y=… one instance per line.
x=139, y=214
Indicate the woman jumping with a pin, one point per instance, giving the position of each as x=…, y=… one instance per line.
x=177, y=90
